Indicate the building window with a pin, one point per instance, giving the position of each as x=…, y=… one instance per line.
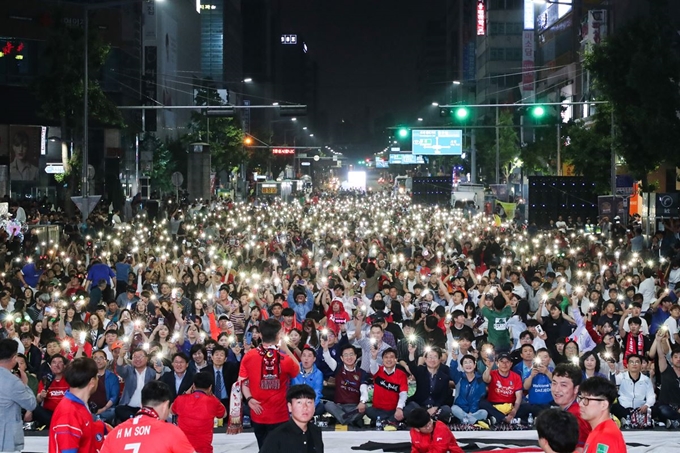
x=496, y=54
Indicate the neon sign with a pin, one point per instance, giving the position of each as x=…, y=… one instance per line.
x=9, y=48
x=283, y=151
x=481, y=18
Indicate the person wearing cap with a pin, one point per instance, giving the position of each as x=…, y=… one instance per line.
x=505, y=390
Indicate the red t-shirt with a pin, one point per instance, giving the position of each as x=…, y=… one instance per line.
x=605, y=438
x=386, y=388
x=144, y=434
x=73, y=430
x=583, y=426
x=273, y=401
x=503, y=389
x=195, y=415
x=440, y=440
x=55, y=393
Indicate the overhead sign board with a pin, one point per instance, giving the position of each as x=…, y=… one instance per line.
x=405, y=159
x=54, y=169
x=431, y=142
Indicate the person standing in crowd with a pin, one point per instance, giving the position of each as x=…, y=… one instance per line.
x=265, y=374
x=15, y=395
x=596, y=397
x=297, y=434
x=73, y=429
x=557, y=431
x=428, y=435
x=224, y=374
x=147, y=431
x=196, y=411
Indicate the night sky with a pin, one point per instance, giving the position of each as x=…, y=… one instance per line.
x=366, y=50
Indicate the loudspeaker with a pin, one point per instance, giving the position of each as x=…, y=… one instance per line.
x=432, y=190
x=554, y=196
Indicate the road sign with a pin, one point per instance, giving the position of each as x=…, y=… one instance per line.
x=177, y=179
x=86, y=204
x=667, y=204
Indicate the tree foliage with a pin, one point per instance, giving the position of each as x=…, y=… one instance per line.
x=509, y=148
x=636, y=69
x=223, y=134
x=589, y=148
x=164, y=165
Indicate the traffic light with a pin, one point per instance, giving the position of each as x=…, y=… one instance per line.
x=537, y=112
x=403, y=132
x=462, y=113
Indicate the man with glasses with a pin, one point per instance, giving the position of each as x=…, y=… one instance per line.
x=596, y=397
x=636, y=394
x=429, y=436
x=105, y=397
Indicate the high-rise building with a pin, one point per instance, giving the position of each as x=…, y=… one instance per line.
x=222, y=42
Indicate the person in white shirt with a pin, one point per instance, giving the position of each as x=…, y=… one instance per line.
x=636, y=390
x=647, y=289
x=672, y=324
x=633, y=310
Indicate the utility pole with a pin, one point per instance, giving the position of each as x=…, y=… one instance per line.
x=85, y=181
x=498, y=147
x=473, y=156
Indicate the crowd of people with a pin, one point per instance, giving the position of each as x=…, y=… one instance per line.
x=385, y=309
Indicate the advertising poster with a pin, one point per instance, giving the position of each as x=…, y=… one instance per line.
x=24, y=148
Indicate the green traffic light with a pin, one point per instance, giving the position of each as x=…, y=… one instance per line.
x=462, y=113
x=403, y=133
x=538, y=111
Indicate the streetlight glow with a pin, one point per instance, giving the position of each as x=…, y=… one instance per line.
x=435, y=104
x=247, y=80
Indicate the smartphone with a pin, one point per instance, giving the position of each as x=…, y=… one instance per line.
x=539, y=329
x=300, y=282
x=249, y=338
x=362, y=284
x=161, y=321
x=173, y=293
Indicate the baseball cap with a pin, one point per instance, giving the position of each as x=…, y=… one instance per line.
x=116, y=345
x=503, y=355
x=223, y=317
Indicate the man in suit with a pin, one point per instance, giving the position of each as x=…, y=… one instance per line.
x=135, y=376
x=225, y=374
x=181, y=378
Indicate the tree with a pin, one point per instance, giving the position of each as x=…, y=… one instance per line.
x=224, y=136
x=60, y=89
x=636, y=69
x=509, y=147
x=163, y=163
x=589, y=148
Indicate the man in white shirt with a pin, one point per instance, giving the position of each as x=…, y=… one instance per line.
x=647, y=288
x=672, y=324
x=633, y=310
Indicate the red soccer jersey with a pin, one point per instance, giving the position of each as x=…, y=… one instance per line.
x=55, y=393
x=583, y=426
x=605, y=438
x=440, y=440
x=386, y=388
x=145, y=434
x=195, y=415
x=73, y=429
x=503, y=389
x=273, y=401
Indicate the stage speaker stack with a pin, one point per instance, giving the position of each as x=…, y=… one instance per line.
x=554, y=196
x=431, y=190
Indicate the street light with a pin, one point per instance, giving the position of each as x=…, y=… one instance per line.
x=435, y=104
x=420, y=119
x=247, y=80
x=456, y=82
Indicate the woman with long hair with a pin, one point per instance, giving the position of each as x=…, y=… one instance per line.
x=126, y=323
x=95, y=328
x=609, y=352
x=310, y=336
